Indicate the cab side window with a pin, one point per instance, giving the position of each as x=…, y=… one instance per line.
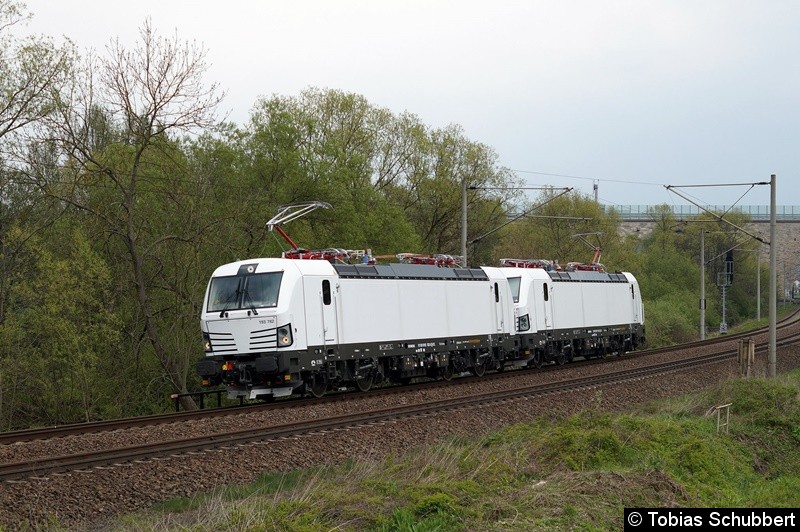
x=326, y=292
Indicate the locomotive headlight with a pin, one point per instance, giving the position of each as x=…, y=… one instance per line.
x=285, y=336
x=207, y=343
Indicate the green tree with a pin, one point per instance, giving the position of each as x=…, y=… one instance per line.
x=564, y=228
x=319, y=146
x=433, y=197
x=54, y=343
x=394, y=185
x=669, y=259
x=31, y=68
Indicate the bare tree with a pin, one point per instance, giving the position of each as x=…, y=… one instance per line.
x=149, y=94
x=29, y=69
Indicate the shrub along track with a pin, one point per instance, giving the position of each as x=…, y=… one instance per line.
x=83, y=483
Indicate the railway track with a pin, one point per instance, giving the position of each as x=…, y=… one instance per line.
x=11, y=437
x=47, y=466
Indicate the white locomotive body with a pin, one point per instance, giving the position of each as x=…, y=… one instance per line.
x=560, y=315
x=274, y=326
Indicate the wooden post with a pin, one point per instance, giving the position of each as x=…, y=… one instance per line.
x=747, y=357
x=742, y=359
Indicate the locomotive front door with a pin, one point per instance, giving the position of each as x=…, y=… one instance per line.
x=499, y=308
x=548, y=306
x=320, y=304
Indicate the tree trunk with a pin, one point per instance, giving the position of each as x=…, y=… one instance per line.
x=174, y=373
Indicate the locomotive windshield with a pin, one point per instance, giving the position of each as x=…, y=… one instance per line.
x=244, y=291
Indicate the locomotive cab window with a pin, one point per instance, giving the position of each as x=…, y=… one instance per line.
x=237, y=292
x=546, y=294
x=326, y=292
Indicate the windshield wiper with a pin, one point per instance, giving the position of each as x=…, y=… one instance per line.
x=232, y=298
x=246, y=294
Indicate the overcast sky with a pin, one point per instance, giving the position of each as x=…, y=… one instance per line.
x=632, y=94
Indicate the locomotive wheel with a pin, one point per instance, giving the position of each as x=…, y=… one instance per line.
x=446, y=372
x=561, y=358
x=536, y=361
x=479, y=368
x=363, y=384
x=316, y=385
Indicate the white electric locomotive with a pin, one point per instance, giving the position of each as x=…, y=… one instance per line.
x=563, y=314
x=272, y=327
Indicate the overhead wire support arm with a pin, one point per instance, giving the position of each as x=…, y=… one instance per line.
x=672, y=188
x=718, y=185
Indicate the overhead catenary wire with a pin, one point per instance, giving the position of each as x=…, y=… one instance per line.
x=568, y=176
x=478, y=239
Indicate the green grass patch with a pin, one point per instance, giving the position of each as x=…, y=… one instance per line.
x=579, y=472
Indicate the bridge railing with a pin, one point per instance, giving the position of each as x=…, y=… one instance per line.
x=756, y=212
